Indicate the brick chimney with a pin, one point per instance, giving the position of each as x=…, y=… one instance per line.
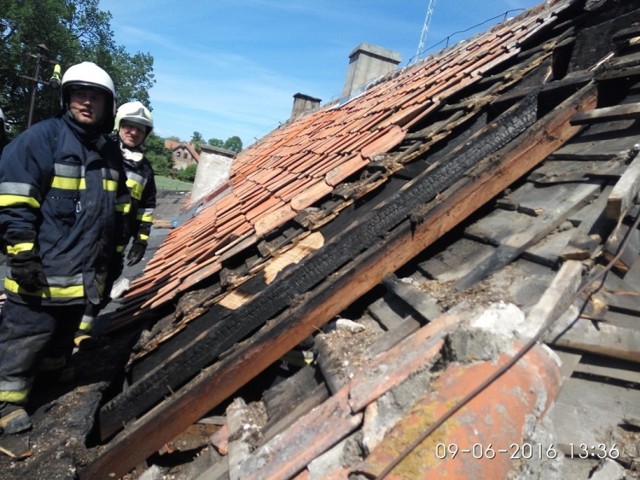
x=302, y=104
x=366, y=63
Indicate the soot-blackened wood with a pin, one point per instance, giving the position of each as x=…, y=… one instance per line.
x=203, y=350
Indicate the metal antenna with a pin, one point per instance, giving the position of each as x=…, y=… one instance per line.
x=425, y=27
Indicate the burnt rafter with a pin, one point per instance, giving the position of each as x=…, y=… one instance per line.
x=210, y=343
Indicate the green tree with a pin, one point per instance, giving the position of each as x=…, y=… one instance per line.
x=66, y=32
x=233, y=144
x=197, y=139
x=215, y=142
x=187, y=174
x=159, y=156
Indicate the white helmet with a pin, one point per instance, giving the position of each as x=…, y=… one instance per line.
x=88, y=74
x=136, y=113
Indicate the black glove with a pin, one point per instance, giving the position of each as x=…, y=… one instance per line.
x=136, y=252
x=26, y=269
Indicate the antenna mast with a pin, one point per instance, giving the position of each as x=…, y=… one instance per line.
x=425, y=27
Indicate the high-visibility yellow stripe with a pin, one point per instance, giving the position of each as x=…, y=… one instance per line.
x=109, y=185
x=19, y=247
x=72, y=291
x=7, y=200
x=67, y=183
x=86, y=326
x=14, y=396
x=142, y=236
x=146, y=217
x=123, y=207
x=135, y=188
x=120, y=248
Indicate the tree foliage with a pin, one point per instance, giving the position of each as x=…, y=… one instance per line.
x=66, y=32
x=215, y=142
x=187, y=174
x=233, y=144
x=159, y=156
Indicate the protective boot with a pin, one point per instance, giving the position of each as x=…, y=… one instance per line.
x=13, y=418
x=84, y=341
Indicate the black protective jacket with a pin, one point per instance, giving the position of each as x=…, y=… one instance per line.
x=63, y=196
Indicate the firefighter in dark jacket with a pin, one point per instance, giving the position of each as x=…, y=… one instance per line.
x=133, y=124
x=63, y=206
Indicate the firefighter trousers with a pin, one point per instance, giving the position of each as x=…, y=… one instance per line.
x=30, y=335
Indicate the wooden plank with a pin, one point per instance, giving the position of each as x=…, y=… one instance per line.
x=607, y=114
x=576, y=170
x=602, y=143
x=558, y=296
x=422, y=303
x=539, y=227
x=456, y=260
x=607, y=370
x=415, y=353
x=547, y=251
x=595, y=337
x=387, y=316
x=216, y=383
x=625, y=191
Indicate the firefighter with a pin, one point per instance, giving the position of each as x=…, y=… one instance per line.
x=63, y=207
x=133, y=124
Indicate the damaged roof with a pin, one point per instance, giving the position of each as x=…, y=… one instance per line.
x=428, y=240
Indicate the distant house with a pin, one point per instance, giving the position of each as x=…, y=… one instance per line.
x=184, y=154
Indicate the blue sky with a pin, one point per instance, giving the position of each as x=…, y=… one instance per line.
x=231, y=67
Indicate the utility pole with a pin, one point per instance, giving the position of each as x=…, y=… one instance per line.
x=41, y=57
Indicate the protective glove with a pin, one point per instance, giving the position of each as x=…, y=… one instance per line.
x=136, y=252
x=26, y=269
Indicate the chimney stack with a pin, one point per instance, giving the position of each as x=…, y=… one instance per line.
x=302, y=104
x=366, y=63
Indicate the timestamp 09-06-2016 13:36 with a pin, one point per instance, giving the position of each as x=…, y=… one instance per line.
x=527, y=450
